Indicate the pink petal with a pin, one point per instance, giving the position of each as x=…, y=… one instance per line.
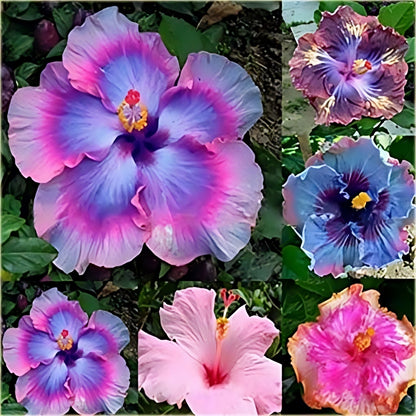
x=222, y=400
x=216, y=75
x=259, y=378
x=105, y=333
x=107, y=57
x=52, y=312
x=97, y=384
x=166, y=371
x=25, y=347
x=203, y=199
x=87, y=215
x=336, y=374
x=54, y=125
x=246, y=334
x=43, y=390
x=190, y=321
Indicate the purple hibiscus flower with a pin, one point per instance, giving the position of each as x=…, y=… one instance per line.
x=350, y=206
x=125, y=157
x=62, y=362
x=351, y=67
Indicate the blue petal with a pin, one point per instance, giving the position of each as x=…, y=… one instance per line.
x=383, y=241
x=331, y=245
x=361, y=164
x=314, y=191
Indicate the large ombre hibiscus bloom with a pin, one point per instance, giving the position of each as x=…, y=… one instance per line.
x=357, y=358
x=216, y=365
x=351, y=67
x=64, y=360
x=351, y=206
x=126, y=157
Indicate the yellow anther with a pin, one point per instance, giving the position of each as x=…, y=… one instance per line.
x=222, y=328
x=363, y=340
x=361, y=66
x=360, y=200
x=132, y=116
x=65, y=343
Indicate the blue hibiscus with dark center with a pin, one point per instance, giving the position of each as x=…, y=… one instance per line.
x=351, y=206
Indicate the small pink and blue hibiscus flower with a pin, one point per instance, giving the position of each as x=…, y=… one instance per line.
x=351, y=206
x=126, y=157
x=351, y=67
x=64, y=360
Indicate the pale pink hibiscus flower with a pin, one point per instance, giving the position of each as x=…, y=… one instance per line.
x=357, y=358
x=217, y=365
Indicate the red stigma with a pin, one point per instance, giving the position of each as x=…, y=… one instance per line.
x=368, y=65
x=132, y=97
x=64, y=333
x=230, y=299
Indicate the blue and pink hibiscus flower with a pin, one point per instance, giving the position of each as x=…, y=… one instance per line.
x=351, y=206
x=127, y=153
x=64, y=360
x=351, y=67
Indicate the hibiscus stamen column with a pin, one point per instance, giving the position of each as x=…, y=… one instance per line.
x=221, y=332
x=132, y=113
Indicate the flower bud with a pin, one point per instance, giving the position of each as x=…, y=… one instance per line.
x=46, y=36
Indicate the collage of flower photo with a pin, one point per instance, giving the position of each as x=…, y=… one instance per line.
x=208, y=208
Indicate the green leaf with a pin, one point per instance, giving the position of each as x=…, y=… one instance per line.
x=181, y=38
x=125, y=279
x=13, y=409
x=323, y=286
x=88, y=303
x=57, y=50
x=294, y=263
x=30, y=13
x=215, y=33
x=64, y=18
x=410, y=55
x=407, y=406
x=403, y=148
x=289, y=237
x=27, y=231
x=58, y=276
x=255, y=267
x=365, y=125
x=17, y=45
x=10, y=205
x=399, y=16
x=7, y=306
x=5, y=394
x=270, y=216
x=298, y=306
x=406, y=118
x=20, y=255
x=16, y=8
x=9, y=223
x=26, y=70
x=331, y=6
x=164, y=268
x=317, y=16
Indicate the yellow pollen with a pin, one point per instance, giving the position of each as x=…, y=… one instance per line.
x=65, y=343
x=363, y=340
x=132, y=116
x=222, y=328
x=360, y=200
x=355, y=30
